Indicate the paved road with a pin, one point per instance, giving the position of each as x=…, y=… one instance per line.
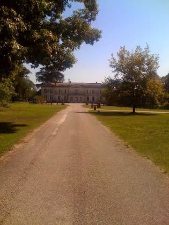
x=73, y=171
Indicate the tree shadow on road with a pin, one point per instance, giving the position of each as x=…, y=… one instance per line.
x=119, y=113
x=9, y=127
x=82, y=112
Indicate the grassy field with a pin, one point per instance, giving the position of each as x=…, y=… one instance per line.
x=19, y=119
x=110, y=108
x=147, y=133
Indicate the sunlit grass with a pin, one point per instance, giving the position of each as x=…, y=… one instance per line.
x=20, y=118
x=147, y=133
x=130, y=109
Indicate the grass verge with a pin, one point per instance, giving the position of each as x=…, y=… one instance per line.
x=129, y=109
x=20, y=118
x=147, y=133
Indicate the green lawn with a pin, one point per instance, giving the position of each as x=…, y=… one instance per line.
x=20, y=118
x=108, y=108
x=147, y=133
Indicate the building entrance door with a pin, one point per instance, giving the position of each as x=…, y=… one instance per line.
x=76, y=99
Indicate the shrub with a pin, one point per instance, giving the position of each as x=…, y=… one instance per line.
x=6, y=91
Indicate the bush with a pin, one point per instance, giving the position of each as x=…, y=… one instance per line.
x=6, y=91
x=39, y=99
x=165, y=106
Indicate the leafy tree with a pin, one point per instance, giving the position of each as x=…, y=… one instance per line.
x=49, y=74
x=133, y=69
x=154, y=92
x=165, y=81
x=111, y=92
x=38, y=32
x=6, y=91
x=24, y=87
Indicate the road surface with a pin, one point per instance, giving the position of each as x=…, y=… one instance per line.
x=74, y=171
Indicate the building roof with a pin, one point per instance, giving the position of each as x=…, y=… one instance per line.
x=72, y=84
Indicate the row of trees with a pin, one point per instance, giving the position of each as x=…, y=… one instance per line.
x=40, y=33
x=17, y=87
x=136, y=82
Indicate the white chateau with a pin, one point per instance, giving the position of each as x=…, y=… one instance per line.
x=72, y=92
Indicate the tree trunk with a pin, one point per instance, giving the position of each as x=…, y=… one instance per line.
x=134, y=109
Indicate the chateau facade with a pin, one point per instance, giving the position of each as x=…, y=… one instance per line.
x=72, y=92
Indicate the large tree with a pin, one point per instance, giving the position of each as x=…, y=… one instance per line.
x=23, y=86
x=165, y=80
x=53, y=71
x=40, y=33
x=134, y=69
x=6, y=91
x=49, y=74
x=111, y=92
x=154, y=92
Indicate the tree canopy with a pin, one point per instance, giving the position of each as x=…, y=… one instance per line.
x=165, y=81
x=49, y=74
x=23, y=86
x=40, y=33
x=135, y=73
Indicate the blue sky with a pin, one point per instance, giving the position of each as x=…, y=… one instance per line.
x=123, y=22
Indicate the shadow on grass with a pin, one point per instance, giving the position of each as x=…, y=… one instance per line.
x=9, y=127
x=122, y=113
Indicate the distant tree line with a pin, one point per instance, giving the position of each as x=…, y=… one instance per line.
x=43, y=34
x=135, y=82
